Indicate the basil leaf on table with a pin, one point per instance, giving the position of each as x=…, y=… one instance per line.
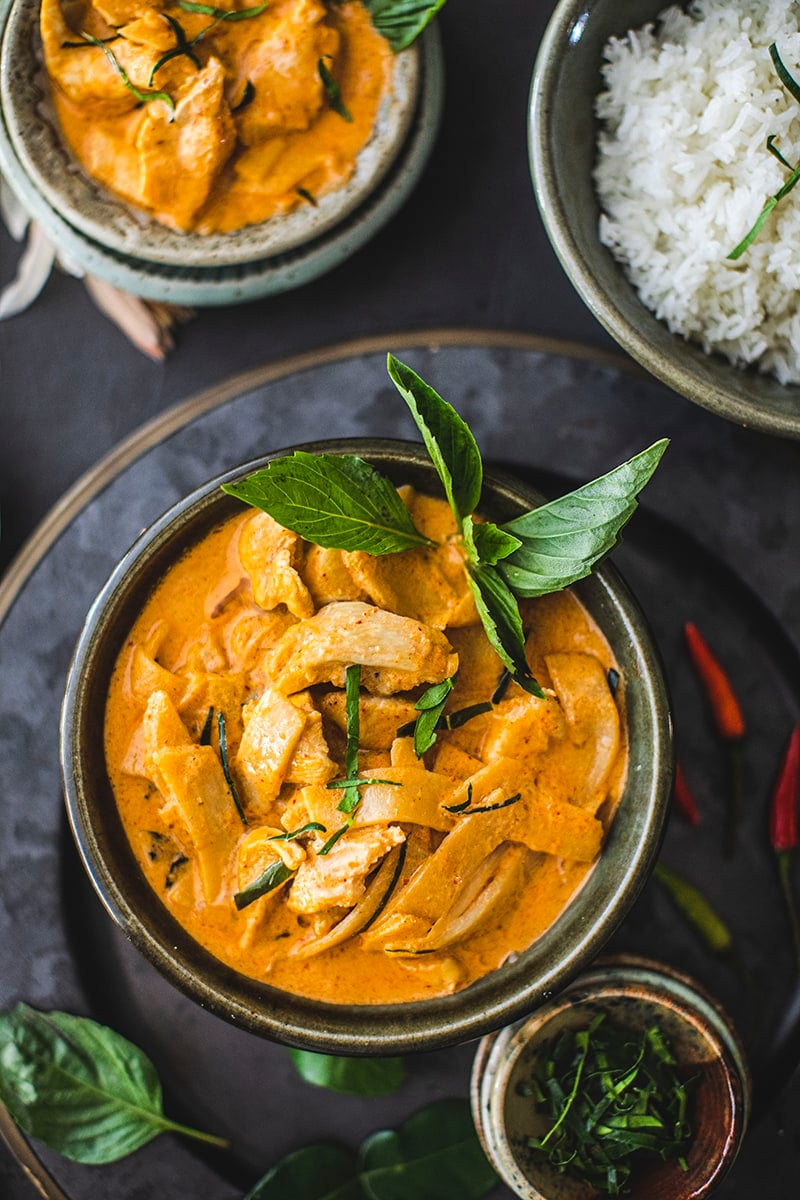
x=448, y=439
x=401, y=21
x=352, y=1076
x=79, y=1087
x=434, y=1155
x=336, y=501
x=319, y=1172
x=500, y=616
x=563, y=540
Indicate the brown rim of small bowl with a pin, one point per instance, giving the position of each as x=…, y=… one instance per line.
x=752, y=400
x=506, y=993
x=118, y=225
x=616, y=981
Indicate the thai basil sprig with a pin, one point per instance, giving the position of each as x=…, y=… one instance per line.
x=339, y=501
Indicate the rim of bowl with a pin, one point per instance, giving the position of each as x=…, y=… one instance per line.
x=120, y=225
x=564, y=29
x=503, y=995
x=619, y=977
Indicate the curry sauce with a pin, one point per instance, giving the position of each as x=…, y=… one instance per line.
x=211, y=119
x=227, y=733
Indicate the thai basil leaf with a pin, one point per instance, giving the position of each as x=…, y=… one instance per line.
x=430, y=707
x=319, y=1172
x=448, y=439
x=488, y=543
x=435, y=1155
x=276, y=874
x=563, y=540
x=337, y=501
x=502, y=622
x=333, y=91
x=352, y=1076
x=79, y=1087
x=401, y=21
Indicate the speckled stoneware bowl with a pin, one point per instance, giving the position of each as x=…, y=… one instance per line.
x=506, y=993
x=88, y=207
x=635, y=993
x=562, y=138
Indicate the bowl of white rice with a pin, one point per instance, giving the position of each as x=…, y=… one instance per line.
x=658, y=135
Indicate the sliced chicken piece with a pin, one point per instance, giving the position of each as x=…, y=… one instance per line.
x=450, y=760
x=120, y=12
x=181, y=154
x=205, y=690
x=198, y=811
x=82, y=72
x=434, y=518
x=397, y=653
x=379, y=717
x=581, y=684
x=409, y=583
x=403, y=753
x=272, y=731
x=280, y=60
x=270, y=555
x=248, y=631
x=327, y=578
x=338, y=878
x=311, y=762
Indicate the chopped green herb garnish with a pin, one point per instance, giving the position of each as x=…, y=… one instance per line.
x=248, y=96
x=333, y=91
x=221, y=14
x=179, y=861
x=275, y=874
x=142, y=97
x=351, y=798
x=311, y=827
x=333, y=839
x=357, y=783
x=465, y=810
x=615, y=1099
x=102, y=41
x=205, y=732
x=502, y=687
x=306, y=194
x=793, y=88
x=181, y=47
x=430, y=707
x=223, y=753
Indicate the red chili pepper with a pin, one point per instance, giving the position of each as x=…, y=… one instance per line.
x=783, y=826
x=725, y=708
x=728, y=719
x=684, y=800
x=783, y=808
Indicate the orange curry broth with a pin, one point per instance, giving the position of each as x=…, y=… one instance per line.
x=216, y=167
x=177, y=619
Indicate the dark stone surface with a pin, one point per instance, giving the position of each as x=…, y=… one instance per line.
x=467, y=250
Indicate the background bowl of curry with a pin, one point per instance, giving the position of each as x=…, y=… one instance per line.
x=79, y=211
x=523, y=980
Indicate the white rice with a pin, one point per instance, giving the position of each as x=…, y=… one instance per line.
x=683, y=172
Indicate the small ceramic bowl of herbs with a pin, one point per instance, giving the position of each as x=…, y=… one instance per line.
x=664, y=147
x=632, y=1081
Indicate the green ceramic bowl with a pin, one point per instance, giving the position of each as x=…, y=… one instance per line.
x=562, y=137
x=502, y=996
x=634, y=993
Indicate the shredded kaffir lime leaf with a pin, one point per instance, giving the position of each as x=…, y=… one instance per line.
x=615, y=1099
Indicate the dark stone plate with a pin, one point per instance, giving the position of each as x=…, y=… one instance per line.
x=554, y=417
